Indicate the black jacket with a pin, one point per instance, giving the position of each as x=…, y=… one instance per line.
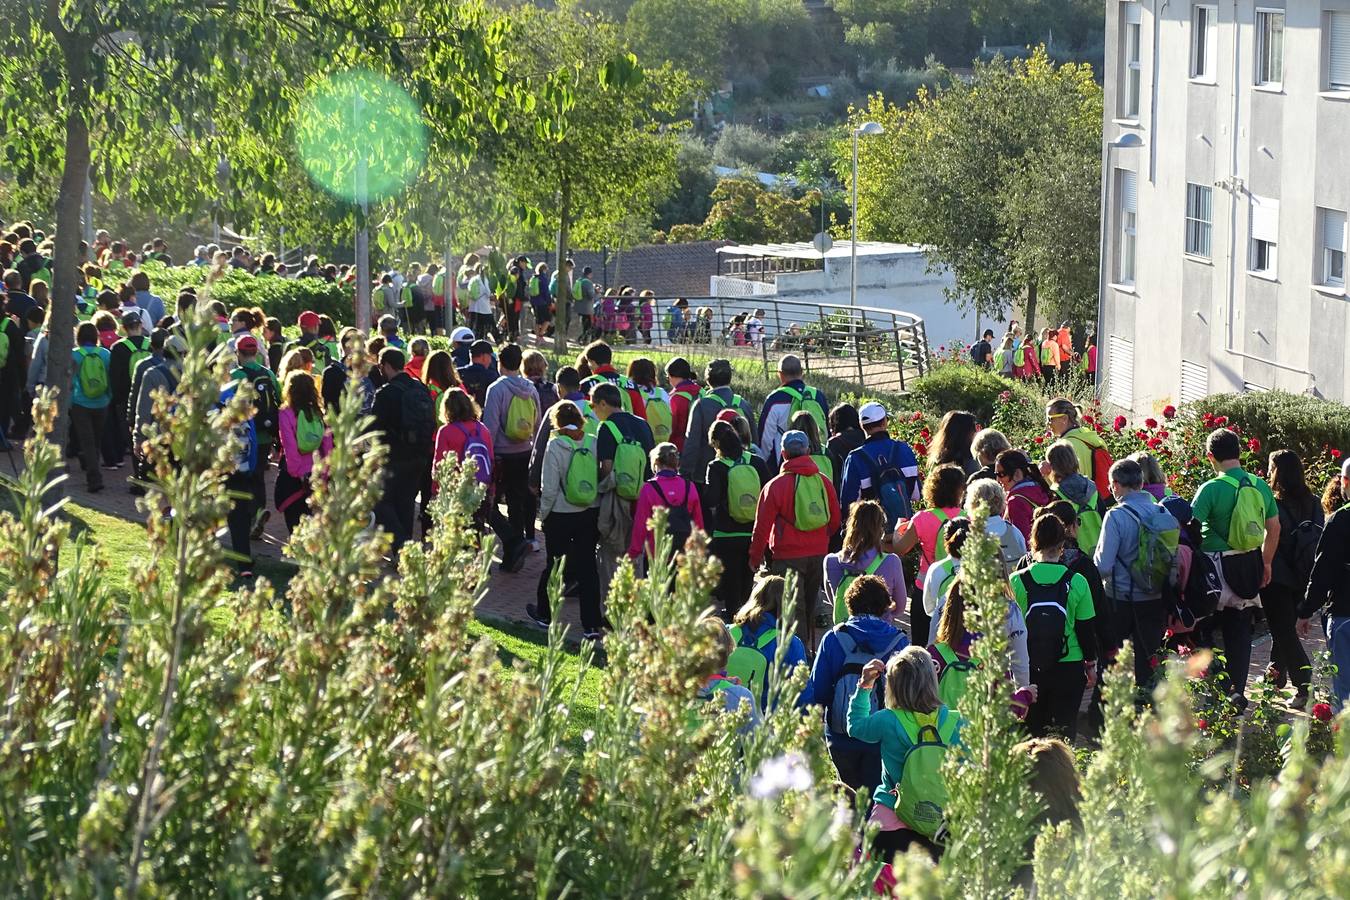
x=1329, y=585
x=388, y=413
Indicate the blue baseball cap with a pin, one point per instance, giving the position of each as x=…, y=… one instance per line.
x=796, y=441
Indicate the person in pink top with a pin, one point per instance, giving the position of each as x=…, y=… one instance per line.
x=944, y=490
x=672, y=490
x=1025, y=486
x=305, y=438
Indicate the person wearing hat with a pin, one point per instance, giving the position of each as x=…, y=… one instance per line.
x=779, y=533
x=460, y=341
x=1329, y=592
x=123, y=358
x=882, y=469
x=160, y=371
x=719, y=396
x=309, y=338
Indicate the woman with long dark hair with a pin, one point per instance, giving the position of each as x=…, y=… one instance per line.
x=951, y=442
x=730, y=511
x=1301, y=523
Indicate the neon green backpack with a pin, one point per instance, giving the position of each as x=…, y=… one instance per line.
x=520, y=412
x=93, y=373
x=309, y=431
x=630, y=462
x=807, y=399
x=1047, y=356
x=405, y=296
x=1247, y=527
x=1020, y=357
x=582, y=479
x=4, y=346
x=1089, y=523
x=921, y=793
x=748, y=663
x=824, y=464
x=811, y=510
x=659, y=416
x=138, y=353
x=955, y=674
x=743, y=486
x=940, y=544
x=840, y=607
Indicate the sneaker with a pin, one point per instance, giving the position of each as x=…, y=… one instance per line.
x=593, y=636
x=136, y=490
x=1300, y=699
x=260, y=525
x=536, y=544
x=514, y=559
x=537, y=616
x=94, y=488
x=1239, y=702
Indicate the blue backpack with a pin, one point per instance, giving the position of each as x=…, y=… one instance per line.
x=846, y=682
x=889, y=487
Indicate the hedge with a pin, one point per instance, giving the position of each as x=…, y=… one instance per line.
x=1310, y=426
x=284, y=298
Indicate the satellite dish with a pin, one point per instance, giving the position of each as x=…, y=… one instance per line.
x=822, y=242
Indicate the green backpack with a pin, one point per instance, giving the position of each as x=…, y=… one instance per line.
x=743, y=488
x=1020, y=357
x=582, y=480
x=748, y=663
x=840, y=607
x=137, y=353
x=824, y=464
x=309, y=431
x=1247, y=527
x=807, y=399
x=659, y=416
x=955, y=674
x=520, y=413
x=1159, y=536
x=921, y=792
x=1089, y=523
x=811, y=510
x=4, y=346
x=630, y=463
x=93, y=373
x=940, y=544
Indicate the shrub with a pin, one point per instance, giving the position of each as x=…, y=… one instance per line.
x=744, y=147
x=1307, y=425
x=284, y=298
x=961, y=386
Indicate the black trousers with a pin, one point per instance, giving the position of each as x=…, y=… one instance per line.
x=1143, y=623
x=513, y=488
x=1059, y=695
x=87, y=425
x=396, y=512
x=240, y=517
x=483, y=325
x=115, y=438
x=858, y=767
x=259, y=475
x=572, y=537
x=920, y=622
x=1236, y=627
x=736, y=580
x=1286, y=650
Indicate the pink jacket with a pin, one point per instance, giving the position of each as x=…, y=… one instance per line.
x=674, y=489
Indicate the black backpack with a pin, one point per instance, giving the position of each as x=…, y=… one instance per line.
x=1047, y=618
x=680, y=521
x=1200, y=596
x=417, y=415
x=1303, y=540
x=266, y=403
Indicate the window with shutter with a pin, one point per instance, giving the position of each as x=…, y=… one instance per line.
x=1338, y=51
x=1120, y=375
x=1194, y=381
x=1132, y=37
x=1265, y=230
x=1128, y=202
x=1332, y=229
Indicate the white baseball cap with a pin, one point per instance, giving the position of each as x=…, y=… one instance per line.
x=871, y=413
x=462, y=335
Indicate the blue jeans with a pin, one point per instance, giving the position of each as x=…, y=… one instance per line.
x=1338, y=642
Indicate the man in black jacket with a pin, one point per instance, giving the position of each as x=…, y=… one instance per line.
x=406, y=419
x=1329, y=591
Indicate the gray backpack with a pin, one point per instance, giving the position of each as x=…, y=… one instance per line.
x=851, y=673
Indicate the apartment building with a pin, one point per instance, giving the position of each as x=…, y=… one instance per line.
x=1225, y=188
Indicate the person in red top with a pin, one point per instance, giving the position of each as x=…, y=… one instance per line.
x=464, y=435
x=669, y=489
x=792, y=548
x=600, y=358
x=1025, y=486
x=684, y=390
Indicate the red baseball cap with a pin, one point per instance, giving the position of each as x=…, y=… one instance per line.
x=247, y=344
x=728, y=415
x=309, y=320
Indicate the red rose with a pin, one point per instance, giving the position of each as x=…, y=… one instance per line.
x=1118, y=424
x=1040, y=439
x=916, y=417
x=1162, y=433
x=1202, y=724
x=1153, y=661
x=1221, y=421
x=1154, y=443
x=925, y=433
x=1322, y=712
x=920, y=448
x=1254, y=445
x=1088, y=419
x=1150, y=422
x=1335, y=454
x=1005, y=396
x=1169, y=412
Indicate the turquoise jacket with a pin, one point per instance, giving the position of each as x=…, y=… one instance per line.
x=882, y=727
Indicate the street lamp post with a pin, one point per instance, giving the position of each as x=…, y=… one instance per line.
x=868, y=128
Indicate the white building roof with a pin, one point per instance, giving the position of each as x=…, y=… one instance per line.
x=805, y=250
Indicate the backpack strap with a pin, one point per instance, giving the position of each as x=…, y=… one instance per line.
x=768, y=637
x=735, y=631
x=947, y=653
x=614, y=429
x=895, y=642
x=875, y=564
x=846, y=640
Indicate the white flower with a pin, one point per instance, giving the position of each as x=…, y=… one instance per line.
x=783, y=773
x=588, y=735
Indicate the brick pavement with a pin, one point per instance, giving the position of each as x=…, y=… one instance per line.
x=506, y=595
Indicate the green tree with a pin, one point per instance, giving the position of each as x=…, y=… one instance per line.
x=152, y=94
x=997, y=176
x=745, y=211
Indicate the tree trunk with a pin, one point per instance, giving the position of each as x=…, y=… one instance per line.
x=563, y=299
x=69, y=204
x=1030, y=325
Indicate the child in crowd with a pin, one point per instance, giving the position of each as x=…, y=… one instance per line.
x=862, y=554
x=717, y=684
x=757, y=629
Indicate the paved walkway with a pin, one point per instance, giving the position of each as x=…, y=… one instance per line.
x=508, y=593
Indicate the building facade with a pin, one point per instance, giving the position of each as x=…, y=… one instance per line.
x=1226, y=183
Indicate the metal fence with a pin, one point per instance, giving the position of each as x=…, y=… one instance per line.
x=879, y=348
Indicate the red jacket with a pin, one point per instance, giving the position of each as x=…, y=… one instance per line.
x=681, y=401
x=776, y=514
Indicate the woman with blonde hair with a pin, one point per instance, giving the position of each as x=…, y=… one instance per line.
x=860, y=555
x=1155, y=482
